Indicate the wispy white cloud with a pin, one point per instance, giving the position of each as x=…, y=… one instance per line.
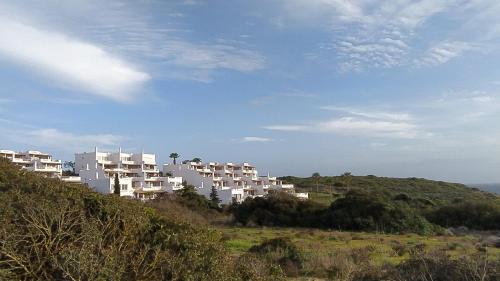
x=376, y=54
x=123, y=44
x=203, y=59
x=382, y=115
x=70, y=61
x=387, y=34
x=369, y=34
x=280, y=96
x=20, y=133
x=444, y=52
x=359, y=121
x=453, y=108
x=256, y=139
x=356, y=126
x=50, y=138
x=73, y=142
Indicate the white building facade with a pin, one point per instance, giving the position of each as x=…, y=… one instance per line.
x=138, y=173
x=35, y=161
x=233, y=182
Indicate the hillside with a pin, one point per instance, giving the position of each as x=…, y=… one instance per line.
x=50, y=230
x=490, y=187
x=438, y=192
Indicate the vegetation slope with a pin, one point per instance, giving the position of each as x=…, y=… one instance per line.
x=439, y=192
x=50, y=230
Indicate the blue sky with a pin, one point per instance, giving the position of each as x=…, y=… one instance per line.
x=392, y=88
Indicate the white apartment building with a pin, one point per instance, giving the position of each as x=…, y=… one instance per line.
x=234, y=182
x=35, y=161
x=138, y=173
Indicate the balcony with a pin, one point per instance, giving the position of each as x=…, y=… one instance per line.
x=152, y=186
x=48, y=169
x=115, y=170
x=50, y=161
x=20, y=160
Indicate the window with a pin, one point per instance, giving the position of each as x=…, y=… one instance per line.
x=123, y=186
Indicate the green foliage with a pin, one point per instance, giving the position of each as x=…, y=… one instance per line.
x=423, y=266
x=196, y=159
x=474, y=215
x=438, y=192
x=358, y=210
x=279, y=209
x=214, y=198
x=191, y=199
x=281, y=251
x=375, y=211
x=174, y=157
x=70, y=168
x=116, y=186
x=50, y=230
x=373, y=203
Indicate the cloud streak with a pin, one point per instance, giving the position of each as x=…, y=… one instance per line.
x=356, y=126
x=444, y=52
x=256, y=139
x=360, y=122
x=53, y=138
x=70, y=61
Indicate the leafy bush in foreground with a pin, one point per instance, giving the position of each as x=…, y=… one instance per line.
x=50, y=230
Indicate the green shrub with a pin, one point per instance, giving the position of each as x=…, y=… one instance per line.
x=374, y=211
x=50, y=230
x=474, y=215
x=278, y=209
x=438, y=266
x=283, y=252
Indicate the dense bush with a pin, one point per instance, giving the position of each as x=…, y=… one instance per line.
x=474, y=215
x=50, y=230
x=281, y=251
x=375, y=211
x=358, y=210
x=278, y=209
x=437, y=266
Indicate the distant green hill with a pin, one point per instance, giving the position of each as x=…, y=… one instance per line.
x=438, y=192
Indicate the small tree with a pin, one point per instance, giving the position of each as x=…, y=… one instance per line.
x=70, y=166
x=316, y=176
x=197, y=160
x=346, y=178
x=117, y=185
x=214, y=198
x=174, y=156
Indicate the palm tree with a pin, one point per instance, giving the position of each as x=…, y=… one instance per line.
x=316, y=176
x=346, y=178
x=174, y=156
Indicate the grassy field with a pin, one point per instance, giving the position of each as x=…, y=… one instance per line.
x=324, y=198
x=383, y=248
